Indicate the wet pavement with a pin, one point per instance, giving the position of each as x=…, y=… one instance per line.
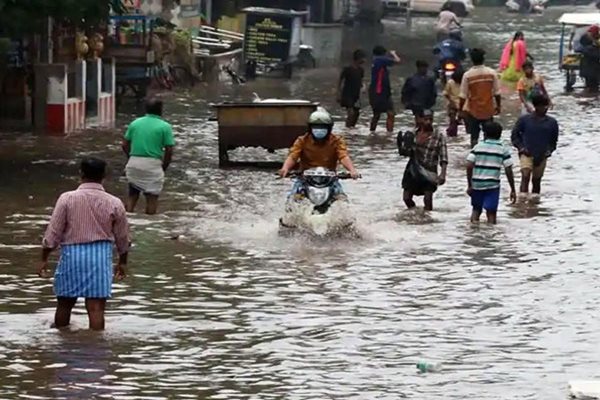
x=219, y=307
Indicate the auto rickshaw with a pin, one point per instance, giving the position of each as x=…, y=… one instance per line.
x=569, y=59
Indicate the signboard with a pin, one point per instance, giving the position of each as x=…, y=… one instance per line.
x=268, y=38
x=192, y=9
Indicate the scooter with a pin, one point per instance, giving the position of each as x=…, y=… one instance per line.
x=309, y=210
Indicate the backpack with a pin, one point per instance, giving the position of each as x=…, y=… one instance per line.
x=406, y=143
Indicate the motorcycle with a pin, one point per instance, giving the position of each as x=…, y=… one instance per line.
x=449, y=53
x=310, y=209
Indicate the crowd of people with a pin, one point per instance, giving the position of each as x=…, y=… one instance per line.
x=473, y=98
x=86, y=223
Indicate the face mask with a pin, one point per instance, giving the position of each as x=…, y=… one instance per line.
x=320, y=133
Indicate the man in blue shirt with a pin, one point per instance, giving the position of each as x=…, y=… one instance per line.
x=535, y=136
x=419, y=91
x=380, y=91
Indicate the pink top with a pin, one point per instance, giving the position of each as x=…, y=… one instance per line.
x=87, y=215
x=518, y=49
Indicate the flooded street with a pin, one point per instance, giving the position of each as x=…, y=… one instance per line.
x=218, y=306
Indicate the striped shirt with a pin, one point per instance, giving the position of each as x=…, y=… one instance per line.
x=489, y=157
x=479, y=86
x=88, y=215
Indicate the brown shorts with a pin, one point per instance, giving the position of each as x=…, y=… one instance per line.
x=527, y=164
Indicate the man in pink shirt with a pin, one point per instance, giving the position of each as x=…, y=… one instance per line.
x=86, y=224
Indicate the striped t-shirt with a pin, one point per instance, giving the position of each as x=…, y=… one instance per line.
x=489, y=157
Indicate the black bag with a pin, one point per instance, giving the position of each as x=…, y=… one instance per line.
x=406, y=143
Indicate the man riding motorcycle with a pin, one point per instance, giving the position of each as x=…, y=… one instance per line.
x=451, y=50
x=319, y=148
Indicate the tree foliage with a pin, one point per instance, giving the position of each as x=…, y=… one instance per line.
x=18, y=17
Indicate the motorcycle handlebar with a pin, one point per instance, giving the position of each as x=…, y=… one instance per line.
x=341, y=175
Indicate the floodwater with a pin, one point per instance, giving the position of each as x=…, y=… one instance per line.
x=217, y=306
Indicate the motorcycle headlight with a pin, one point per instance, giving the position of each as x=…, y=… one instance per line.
x=318, y=196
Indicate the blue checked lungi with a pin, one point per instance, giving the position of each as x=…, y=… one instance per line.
x=85, y=270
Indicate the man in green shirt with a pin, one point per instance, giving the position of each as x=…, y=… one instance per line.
x=148, y=144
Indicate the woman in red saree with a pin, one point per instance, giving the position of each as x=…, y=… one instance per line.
x=513, y=58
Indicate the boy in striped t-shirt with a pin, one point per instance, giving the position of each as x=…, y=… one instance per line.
x=484, y=167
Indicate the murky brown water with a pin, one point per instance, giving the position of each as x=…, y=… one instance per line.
x=232, y=311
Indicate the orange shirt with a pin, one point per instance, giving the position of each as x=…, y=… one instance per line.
x=311, y=153
x=527, y=85
x=479, y=86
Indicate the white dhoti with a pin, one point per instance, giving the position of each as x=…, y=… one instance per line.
x=145, y=174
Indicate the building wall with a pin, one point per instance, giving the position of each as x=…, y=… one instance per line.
x=326, y=41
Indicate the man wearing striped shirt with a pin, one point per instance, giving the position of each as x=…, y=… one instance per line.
x=86, y=224
x=484, y=167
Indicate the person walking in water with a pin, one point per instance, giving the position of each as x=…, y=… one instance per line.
x=479, y=95
x=513, y=57
x=421, y=174
x=419, y=91
x=447, y=22
x=86, y=224
x=148, y=143
x=535, y=136
x=530, y=85
x=590, y=62
x=452, y=94
x=484, y=167
x=380, y=91
x=350, y=87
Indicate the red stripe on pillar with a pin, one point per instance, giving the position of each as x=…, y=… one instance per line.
x=55, y=119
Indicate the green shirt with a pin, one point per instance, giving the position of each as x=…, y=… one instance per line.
x=149, y=135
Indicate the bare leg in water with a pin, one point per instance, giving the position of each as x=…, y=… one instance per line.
x=391, y=116
x=491, y=217
x=62, y=318
x=352, y=117
x=428, y=201
x=537, y=185
x=375, y=121
x=151, y=204
x=408, y=199
x=525, y=179
x=95, y=309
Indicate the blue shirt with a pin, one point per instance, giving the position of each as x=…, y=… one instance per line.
x=419, y=91
x=538, y=136
x=489, y=158
x=450, y=49
x=380, y=76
